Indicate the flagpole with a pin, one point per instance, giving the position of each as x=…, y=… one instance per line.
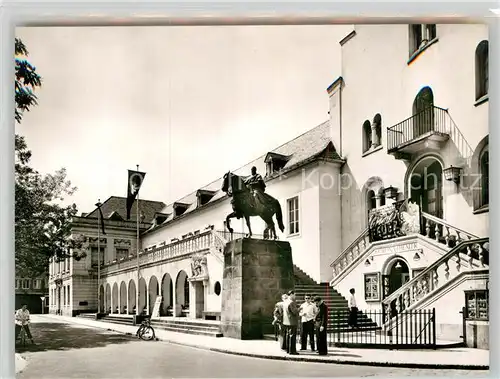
x=138, y=285
x=98, y=258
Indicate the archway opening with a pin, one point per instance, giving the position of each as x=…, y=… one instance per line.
x=123, y=298
x=107, y=303
x=167, y=294
x=115, y=300
x=153, y=291
x=101, y=299
x=426, y=186
x=182, y=291
x=142, y=295
x=132, y=293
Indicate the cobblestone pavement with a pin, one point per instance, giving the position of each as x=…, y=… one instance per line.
x=65, y=350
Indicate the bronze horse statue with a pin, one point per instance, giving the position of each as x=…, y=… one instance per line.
x=246, y=205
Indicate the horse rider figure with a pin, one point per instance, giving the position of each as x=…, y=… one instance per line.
x=256, y=185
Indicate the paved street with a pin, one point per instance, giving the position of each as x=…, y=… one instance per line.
x=75, y=351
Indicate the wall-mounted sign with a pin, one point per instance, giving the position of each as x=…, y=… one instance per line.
x=395, y=220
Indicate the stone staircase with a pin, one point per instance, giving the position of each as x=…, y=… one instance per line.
x=199, y=327
x=337, y=307
x=336, y=303
x=173, y=324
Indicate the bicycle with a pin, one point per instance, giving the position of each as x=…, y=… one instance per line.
x=22, y=336
x=146, y=331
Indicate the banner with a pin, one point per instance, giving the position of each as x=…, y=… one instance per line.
x=135, y=179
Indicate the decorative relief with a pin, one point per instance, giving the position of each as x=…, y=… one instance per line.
x=122, y=242
x=93, y=240
x=199, y=269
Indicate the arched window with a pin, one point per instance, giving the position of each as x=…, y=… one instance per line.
x=484, y=164
x=367, y=136
x=423, y=112
x=482, y=69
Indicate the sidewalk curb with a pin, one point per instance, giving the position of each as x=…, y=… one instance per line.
x=311, y=360
x=327, y=361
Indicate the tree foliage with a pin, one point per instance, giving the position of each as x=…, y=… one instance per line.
x=42, y=224
x=27, y=79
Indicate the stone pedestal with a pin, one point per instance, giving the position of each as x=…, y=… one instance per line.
x=256, y=274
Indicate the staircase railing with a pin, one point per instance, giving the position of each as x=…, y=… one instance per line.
x=458, y=138
x=351, y=253
x=442, y=232
x=436, y=275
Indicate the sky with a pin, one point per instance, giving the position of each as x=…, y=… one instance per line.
x=185, y=103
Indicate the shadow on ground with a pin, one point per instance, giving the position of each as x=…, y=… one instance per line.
x=60, y=336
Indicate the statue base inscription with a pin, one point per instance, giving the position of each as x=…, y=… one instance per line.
x=256, y=273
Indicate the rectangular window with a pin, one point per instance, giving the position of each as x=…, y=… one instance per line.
x=293, y=215
x=17, y=284
x=94, y=256
x=477, y=304
x=37, y=284
x=372, y=287
x=420, y=36
x=121, y=253
x=26, y=284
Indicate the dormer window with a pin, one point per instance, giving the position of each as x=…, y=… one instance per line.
x=160, y=218
x=180, y=208
x=115, y=216
x=275, y=163
x=204, y=196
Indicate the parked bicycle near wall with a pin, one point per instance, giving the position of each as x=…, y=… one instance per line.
x=146, y=331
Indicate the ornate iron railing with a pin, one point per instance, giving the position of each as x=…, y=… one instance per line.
x=431, y=119
x=428, y=120
x=410, y=330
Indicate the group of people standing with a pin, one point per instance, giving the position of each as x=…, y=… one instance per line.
x=312, y=316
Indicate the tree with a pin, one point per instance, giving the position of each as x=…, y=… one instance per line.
x=42, y=224
x=27, y=79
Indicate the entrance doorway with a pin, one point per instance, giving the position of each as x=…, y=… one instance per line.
x=396, y=275
x=426, y=186
x=399, y=274
x=200, y=298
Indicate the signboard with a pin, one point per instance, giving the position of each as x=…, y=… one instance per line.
x=395, y=220
x=156, y=308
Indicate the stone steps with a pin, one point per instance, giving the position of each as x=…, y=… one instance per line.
x=194, y=327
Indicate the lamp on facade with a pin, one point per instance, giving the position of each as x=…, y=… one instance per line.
x=416, y=257
x=398, y=265
x=391, y=192
x=452, y=173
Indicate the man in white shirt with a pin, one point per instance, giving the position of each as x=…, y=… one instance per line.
x=307, y=312
x=23, y=319
x=353, y=310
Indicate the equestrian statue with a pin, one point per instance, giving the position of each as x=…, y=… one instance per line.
x=249, y=199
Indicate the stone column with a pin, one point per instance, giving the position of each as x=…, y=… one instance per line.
x=375, y=141
x=256, y=273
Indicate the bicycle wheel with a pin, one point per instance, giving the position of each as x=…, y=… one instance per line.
x=22, y=337
x=147, y=334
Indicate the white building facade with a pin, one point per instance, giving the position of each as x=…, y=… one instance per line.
x=408, y=127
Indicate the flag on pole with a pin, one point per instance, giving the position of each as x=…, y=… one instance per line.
x=102, y=218
x=135, y=179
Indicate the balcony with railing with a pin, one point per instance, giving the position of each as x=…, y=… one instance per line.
x=202, y=241
x=429, y=128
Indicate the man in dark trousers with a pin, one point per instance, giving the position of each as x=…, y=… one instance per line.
x=353, y=310
x=321, y=323
x=291, y=321
x=278, y=321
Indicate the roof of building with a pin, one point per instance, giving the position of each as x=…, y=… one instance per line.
x=311, y=144
x=117, y=206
